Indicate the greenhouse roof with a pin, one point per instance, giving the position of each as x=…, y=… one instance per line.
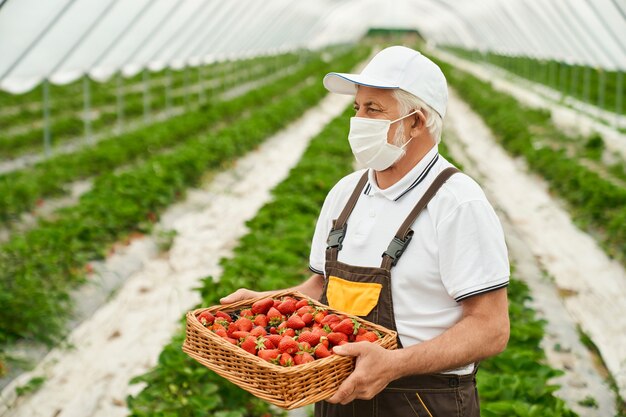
x=61, y=40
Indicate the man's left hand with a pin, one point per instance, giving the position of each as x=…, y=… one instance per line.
x=371, y=374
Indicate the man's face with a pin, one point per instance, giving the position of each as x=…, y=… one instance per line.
x=377, y=103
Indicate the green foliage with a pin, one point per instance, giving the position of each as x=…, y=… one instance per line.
x=31, y=386
x=22, y=189
x=593, y=85
x=66, y=107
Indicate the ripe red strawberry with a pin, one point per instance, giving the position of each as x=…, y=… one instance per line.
x=275, y=339
x=330, y=318
x=246, y=313
x=302, y=303
x=221, y=332
x=288, y=345
x=263, y=343
x=262, y=306
x=322, y=351
x=244, y=324
x=335, y=338
x=206, y=318
x=261, y=320
x=295, y=322
x=303, y=357
x=258, y=331
x=287, y=307
x=249, y=344
x=286, y=359
x=223, y=315
x=305, y=347
x=274, y=316
x=288, y=332
x=307, y=318
x=269, y=355
x=367, y=337
x=239, y=334
x=304, y=310
x=231, y=328
x=309, y=337
x=320, y=315
x=347, y=326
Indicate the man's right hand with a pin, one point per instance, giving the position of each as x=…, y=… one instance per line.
x=242, y=294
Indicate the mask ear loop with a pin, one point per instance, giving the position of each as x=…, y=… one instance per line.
x=404, y=117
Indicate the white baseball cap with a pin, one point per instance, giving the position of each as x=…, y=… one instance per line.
x=397, y=67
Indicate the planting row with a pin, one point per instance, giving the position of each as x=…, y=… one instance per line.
x=22, y=189
x=39, y=269
x=274, y=255
x=601, y=88
x=597, y=204
x=70, y=96
x=71, y=124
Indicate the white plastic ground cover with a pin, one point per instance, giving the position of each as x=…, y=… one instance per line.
x=561, y=342
x=125, y=336
x=595, y=286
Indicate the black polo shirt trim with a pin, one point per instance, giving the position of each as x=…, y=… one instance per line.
x=315, y=271
x=415, y=183
x=481, y=291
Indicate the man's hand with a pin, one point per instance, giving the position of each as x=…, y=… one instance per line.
x=371, y=374
x=241, y=294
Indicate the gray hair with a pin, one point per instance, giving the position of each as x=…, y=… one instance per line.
x=408, y=102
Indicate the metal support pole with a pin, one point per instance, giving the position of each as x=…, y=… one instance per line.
x=574, y=84
x=620, y=93
x=552, y=79
x=601, y=87
x=587, y=85
x=186, y=85
x=87, y=108
x=201, y=99
x=46, y=118
x=563, y=78
x=120, y=103
x=146, y=96
x=168, y=92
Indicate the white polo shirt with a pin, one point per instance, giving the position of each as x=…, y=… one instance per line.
x=457, y=250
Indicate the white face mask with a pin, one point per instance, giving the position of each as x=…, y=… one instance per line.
x=368, y=140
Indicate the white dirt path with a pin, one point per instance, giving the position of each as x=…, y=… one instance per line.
x=595, y=285
x=125, y=336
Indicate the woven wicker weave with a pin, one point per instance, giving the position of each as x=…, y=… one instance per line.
x=285, y=387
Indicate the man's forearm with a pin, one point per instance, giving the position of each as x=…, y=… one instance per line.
x=312, y=287
x=479, y=334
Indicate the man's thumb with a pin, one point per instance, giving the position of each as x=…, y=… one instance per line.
x=345, y=350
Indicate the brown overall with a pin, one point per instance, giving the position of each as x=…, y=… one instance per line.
x=366, y=292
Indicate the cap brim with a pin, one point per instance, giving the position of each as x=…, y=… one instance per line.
x=341, y=83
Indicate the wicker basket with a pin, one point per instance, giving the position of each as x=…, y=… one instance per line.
x=285, y=387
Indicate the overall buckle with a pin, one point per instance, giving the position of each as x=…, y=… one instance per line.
x=397, y=246
x=335, y=237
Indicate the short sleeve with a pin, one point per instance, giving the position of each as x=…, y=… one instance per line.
x=473, y=257
x=317, y=257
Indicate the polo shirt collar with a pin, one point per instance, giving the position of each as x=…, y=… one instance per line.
x=411, y=180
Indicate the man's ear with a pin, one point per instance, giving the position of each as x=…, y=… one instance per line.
x=419, y=119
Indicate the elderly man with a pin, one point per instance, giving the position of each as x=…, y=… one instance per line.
x=424, y=253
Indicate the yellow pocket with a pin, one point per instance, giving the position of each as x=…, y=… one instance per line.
x=356, y=298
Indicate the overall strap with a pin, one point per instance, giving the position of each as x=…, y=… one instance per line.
x=338, y=231
x=404, y=234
